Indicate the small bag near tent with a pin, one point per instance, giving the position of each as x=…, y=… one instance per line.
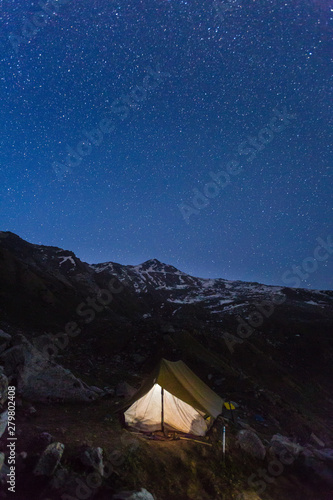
x=173, y=398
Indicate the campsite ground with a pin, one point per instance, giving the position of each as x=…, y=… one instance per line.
x=178, y=470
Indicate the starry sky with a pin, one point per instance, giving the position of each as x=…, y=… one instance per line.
x=116, y=117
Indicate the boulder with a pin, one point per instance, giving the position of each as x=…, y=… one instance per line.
x=41, y=379
x=93, y=457
x=143, y=494
x=251, y=443
x=49, y=460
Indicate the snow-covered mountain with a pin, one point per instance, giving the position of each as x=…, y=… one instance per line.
x=56, y=281
x=218, y=297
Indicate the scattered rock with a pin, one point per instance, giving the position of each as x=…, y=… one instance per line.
x=93, y=457
x=143, y=494
x=49, y=460
x=251, y=443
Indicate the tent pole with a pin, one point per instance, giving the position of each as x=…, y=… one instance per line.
x=162, y=409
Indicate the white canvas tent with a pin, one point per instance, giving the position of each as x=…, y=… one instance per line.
x=174, y=398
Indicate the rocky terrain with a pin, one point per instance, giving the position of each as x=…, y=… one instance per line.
x=77, y=339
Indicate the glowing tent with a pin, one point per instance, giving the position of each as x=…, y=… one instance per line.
x=173, y=398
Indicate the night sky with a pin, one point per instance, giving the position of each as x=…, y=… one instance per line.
x=181, y=91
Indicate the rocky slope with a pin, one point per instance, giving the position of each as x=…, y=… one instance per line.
x=269, y=349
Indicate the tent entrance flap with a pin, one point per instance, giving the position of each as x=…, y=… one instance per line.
x=161, y=409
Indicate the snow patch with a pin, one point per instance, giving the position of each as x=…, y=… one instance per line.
x=65, y=259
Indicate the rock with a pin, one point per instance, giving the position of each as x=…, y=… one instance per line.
x=42, y=341
x=3, y=475
x=245, y=425
x=97, y=389
x=325, y=454
x=41, y=379
x=71, y=485
x=31, y=410
x=125, y=390
x=3, y=387
x=2, y=460
x=251, y=443
x=5, y=339
x=137, y=358
x=3, y=422
x=41, y=441
x=320, y=469
x=143, y=494
x=49, y=460
x=167, y=329
x=109, y=391
x=281, y=444
x=93, y=457
x=59, y=479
